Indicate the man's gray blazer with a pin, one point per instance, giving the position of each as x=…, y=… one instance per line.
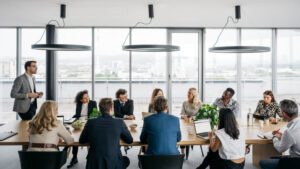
x=19, y=92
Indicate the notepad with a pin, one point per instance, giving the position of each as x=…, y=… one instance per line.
x=6, y=135
x=267, y=135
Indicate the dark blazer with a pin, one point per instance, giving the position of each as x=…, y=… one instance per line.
x=103, y=134
x=120, y=110
x=92, y=104
x=161, y=132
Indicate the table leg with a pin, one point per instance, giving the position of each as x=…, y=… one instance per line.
x=24, y=147
x=262, y=152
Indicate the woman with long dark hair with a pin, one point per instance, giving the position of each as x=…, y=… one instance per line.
x=227, y=144
x=84, y=107
x=268, y=107
x=156, y=92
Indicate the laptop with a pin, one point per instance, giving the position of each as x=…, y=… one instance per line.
x=202, y=128
x=62, y=119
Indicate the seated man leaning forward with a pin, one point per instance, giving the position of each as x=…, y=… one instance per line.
x=161, y=131
x=104, y=134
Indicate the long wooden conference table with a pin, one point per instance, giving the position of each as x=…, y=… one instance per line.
x=262, y=148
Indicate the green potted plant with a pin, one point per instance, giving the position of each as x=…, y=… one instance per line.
x=208, y=112
x=95, y=113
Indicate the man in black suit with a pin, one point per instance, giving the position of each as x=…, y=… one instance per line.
x=123, y=107
x=103, y=134
x=84, y=107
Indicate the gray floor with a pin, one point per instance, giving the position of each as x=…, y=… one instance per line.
x=9, y=158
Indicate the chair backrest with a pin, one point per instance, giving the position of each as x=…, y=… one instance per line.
x=44, y=160
x=289, y=162
x=161, y=161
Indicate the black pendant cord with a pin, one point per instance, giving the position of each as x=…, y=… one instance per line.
x=228, y=19
x=138, y=23
x=55, y=21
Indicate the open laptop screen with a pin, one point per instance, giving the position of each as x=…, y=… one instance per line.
x=202, y=126
x=60, y=118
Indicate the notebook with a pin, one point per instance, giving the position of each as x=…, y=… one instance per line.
x=266, y=135
x=6, y=135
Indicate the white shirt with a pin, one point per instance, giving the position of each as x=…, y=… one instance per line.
x=84, y=110
x=290, y=139
x=31, y=84
x=231, y=149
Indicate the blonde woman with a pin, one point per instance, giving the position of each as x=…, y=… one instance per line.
x=191, y=106
x=45, y=130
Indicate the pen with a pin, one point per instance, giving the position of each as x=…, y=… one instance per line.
x=276, y=131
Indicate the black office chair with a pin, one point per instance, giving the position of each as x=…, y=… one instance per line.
x=288, y=162
x=42, y=160
x=161, y=161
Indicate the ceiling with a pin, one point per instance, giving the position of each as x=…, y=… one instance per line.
x=168, y=13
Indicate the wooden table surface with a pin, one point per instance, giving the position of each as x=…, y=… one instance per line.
x=187, y=132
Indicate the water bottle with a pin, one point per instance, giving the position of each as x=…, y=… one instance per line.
x=249, y=118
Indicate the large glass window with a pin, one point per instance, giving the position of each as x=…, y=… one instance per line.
x=148, y=68
x=184, y=67
x=74, y=68
x=220, y=68
x=111, y=62
x=256, y=68
x=7, y=71
x=288, y=64
x=31, y=36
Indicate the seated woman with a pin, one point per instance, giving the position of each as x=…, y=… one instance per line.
x=156, y=92
x=226, y=101
x=191, y=106
x=45, y=130
x=227, y=144
x=268, y=107
x=84, y=107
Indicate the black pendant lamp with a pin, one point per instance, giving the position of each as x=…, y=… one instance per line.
x=149, y=47
x=236, y=49
x=60, y=47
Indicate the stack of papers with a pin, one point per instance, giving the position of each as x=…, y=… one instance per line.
x=267, y=135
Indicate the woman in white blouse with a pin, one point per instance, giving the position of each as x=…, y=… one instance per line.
x=227, y=144
x=191, y=106
x=45, y=130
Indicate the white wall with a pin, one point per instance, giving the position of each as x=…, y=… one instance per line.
x=168, y=13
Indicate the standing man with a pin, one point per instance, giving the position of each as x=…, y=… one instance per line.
x=24, y=92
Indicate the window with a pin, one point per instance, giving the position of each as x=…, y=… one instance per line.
x=148, y=68
x=220, y=69
x=256, y=68
x=7, y=71
x=184, y=67
x=111, y=62
x=288, y=64
x=74, y=68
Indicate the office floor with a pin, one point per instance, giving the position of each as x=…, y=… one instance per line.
x=9, y=158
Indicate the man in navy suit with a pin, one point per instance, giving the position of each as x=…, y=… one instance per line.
x=123, y=106
x=104, y=134
x=161, y=131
